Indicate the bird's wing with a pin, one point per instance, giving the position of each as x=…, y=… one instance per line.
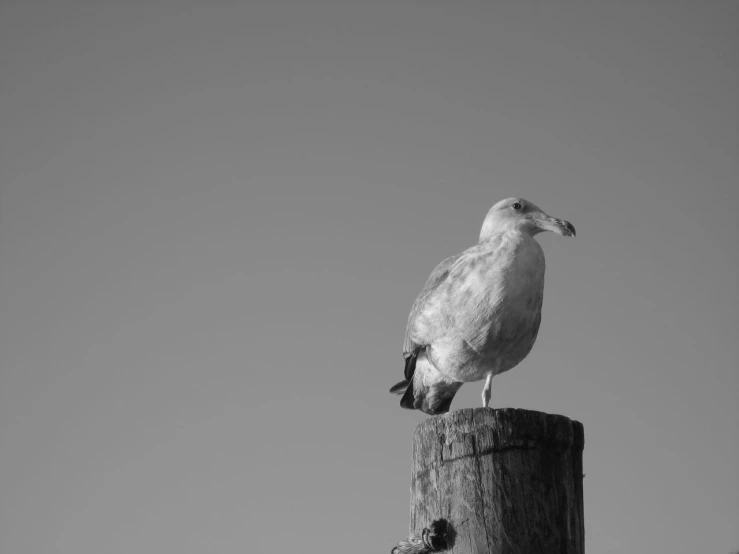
x=453, y=306
x=438, y=275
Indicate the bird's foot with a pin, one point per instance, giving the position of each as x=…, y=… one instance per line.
x=487, y=391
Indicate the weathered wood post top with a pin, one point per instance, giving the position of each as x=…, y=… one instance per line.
x=506, y=481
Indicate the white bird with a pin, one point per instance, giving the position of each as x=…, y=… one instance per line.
x=479, y=312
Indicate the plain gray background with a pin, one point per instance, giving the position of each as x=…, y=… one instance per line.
x=214, y=218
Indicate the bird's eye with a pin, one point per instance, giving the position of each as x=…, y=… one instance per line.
x=516, y=205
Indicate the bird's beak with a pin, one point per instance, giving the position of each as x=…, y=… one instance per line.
x=559, y=226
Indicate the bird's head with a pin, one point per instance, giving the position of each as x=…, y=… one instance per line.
x=522, y=215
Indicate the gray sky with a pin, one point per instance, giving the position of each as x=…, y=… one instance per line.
x=214, y=218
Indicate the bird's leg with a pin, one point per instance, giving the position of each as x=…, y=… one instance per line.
x=486, y=391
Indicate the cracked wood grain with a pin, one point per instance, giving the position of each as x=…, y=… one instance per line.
x=508, y=481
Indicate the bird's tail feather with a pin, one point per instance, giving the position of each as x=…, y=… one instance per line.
x=426, y=389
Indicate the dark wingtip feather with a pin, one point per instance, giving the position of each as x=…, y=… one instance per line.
x=399, y=388
x=424, y=388
x=409, y=399
x=410, y=366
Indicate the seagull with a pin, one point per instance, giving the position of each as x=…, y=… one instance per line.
x=479, y=312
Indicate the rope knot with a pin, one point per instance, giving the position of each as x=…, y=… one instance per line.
x=433, y=539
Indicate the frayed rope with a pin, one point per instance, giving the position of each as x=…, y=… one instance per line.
x=433, y=539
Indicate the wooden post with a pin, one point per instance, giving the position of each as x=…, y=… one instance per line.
x=505, y=481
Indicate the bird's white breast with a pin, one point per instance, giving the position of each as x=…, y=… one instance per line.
x=497, y=310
